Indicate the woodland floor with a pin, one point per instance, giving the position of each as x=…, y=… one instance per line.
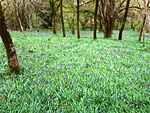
x=69, y=75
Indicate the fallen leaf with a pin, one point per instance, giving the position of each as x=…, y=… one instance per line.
x=1, y=73
x=4, y=97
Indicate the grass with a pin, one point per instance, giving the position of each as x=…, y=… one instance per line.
x=69, y=75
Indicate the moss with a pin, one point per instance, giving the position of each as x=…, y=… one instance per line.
x=16, y=70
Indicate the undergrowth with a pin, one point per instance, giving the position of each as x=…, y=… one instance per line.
x=69, y=75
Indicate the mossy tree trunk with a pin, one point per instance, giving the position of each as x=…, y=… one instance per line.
x=53, y=24
x=108, y=15
x=72, y=28
x=10, y=50
x=54, y=5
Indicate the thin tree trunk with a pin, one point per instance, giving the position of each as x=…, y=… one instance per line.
x=30, y=23
x=71, y=25
x=143, y=40
x=18, y=17
x=133, y=26
x=10, y=50
x=37, y=23
x=142, y=28
x=62, y=20
x=78, y=29
x=91, y=25
x=72, y=28
x=147, y=14
x=20, y=23
x=95, y=19
x=100, y=25
x=124, y=20
x=53, y=24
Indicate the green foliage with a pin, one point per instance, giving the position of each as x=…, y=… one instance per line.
x=70, y=75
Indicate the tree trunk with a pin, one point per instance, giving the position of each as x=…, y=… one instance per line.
x=20, y=23
x=95, y=19
x=10, y=50
x=37, y=23
x=91, y=25
x=62, y=20
x=143, y=40
x=108, y=32
x=142, y=28
x=71, y=24
x=124, y=20
x=147, y=14
x=83, y=24
x=108, y=16
x=72, y=28
x=30, y=22
x=100, y=25
x=78, y=29
x=53, y=24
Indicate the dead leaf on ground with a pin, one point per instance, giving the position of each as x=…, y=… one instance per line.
x=1, y=73
x=4, y=97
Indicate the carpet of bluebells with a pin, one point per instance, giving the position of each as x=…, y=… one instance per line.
x=76, y=76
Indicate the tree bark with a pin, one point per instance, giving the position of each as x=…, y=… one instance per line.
x=72, y=28
x=53, y=24
x=147, y=14
x=20, y=21
x=108, y=15
x=143, y=40
x=108, y=31
x=124, y=20
x=91, y=25
x=8, y=43
x=71, y=24
x=62, y=20
x=30, y=22
x=78, y=29
x=95, y=19
x=21, y=26
x=142, y=28
x=37, y=23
